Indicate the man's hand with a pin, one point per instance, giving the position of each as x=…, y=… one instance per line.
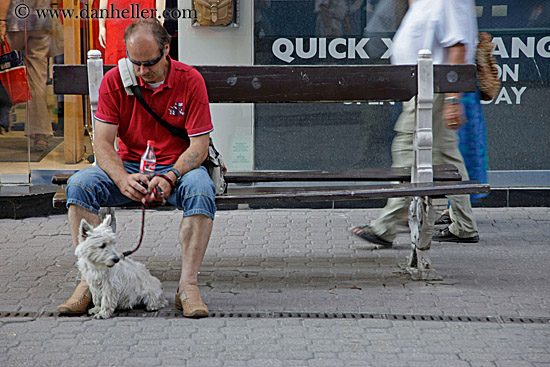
x=157, y=196
x=453, y=115
x=131, y=186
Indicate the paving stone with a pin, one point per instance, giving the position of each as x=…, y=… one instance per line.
x=262, y=261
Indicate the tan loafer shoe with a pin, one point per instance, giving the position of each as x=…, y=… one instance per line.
x=79, y=301
x=190, y=302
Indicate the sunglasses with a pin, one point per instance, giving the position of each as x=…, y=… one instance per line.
x=147, y=63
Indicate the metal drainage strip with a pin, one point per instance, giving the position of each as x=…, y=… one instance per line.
x=306, y=315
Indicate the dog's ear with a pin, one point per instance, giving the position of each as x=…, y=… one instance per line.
x=83, y=231
x=107, y=220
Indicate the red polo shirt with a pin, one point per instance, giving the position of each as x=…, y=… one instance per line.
x=181, y=101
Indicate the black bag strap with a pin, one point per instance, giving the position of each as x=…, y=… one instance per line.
x=174, y=130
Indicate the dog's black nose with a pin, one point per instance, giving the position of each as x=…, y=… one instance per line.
x=116, y=259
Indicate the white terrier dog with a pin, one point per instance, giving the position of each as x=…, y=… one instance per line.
x=123, y=286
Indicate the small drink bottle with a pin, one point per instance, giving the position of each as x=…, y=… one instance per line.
x=148, y=159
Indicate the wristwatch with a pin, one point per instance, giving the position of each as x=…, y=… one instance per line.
x=452, y=100
x=177, y=173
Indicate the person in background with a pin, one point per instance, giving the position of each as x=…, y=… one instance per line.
x=32, y=35
x=449, y=30
x=332, y=18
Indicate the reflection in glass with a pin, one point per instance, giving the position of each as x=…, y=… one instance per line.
x=32, y=36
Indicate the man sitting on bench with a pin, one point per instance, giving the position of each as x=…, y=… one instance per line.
x=177, y=93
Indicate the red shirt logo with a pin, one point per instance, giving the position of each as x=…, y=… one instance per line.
x=176, y=109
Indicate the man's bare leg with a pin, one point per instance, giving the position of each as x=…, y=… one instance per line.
x=81, y=298
x=194, y=235
x=75, y=215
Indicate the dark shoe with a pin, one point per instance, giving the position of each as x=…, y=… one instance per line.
x=443, y=219
x=366, y=233
x=79, y=302
x=190, y=302
x=445, y=235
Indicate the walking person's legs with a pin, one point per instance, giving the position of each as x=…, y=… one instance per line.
x=463, y=227
x=36, y=45
x=383, y=230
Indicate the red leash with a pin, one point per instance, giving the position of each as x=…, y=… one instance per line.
x=130, y=252
x=157, y=192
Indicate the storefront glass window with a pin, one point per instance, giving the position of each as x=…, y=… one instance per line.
x=47, y=133
x=330, y=32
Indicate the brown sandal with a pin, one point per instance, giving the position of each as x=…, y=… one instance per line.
x=445, y=235
x=190, y=302
x=79, y=302
x=366, y=233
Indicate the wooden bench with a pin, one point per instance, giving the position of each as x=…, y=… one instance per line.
x=241, y=193
x=292, y=84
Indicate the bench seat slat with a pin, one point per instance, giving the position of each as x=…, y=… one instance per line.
x=262, y=194
x=239, y=195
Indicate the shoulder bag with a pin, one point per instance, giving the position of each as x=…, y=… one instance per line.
x=13, y=74
x=487, y=72
x=214, y=13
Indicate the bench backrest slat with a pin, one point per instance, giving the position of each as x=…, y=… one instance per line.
x=286, y=84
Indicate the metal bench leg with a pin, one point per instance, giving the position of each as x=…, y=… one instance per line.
x=421, y=223
x=421, y=211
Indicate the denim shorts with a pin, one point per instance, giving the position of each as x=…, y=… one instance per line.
x=91, y=188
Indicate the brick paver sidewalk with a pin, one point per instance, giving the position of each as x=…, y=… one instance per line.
x=262, y=266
